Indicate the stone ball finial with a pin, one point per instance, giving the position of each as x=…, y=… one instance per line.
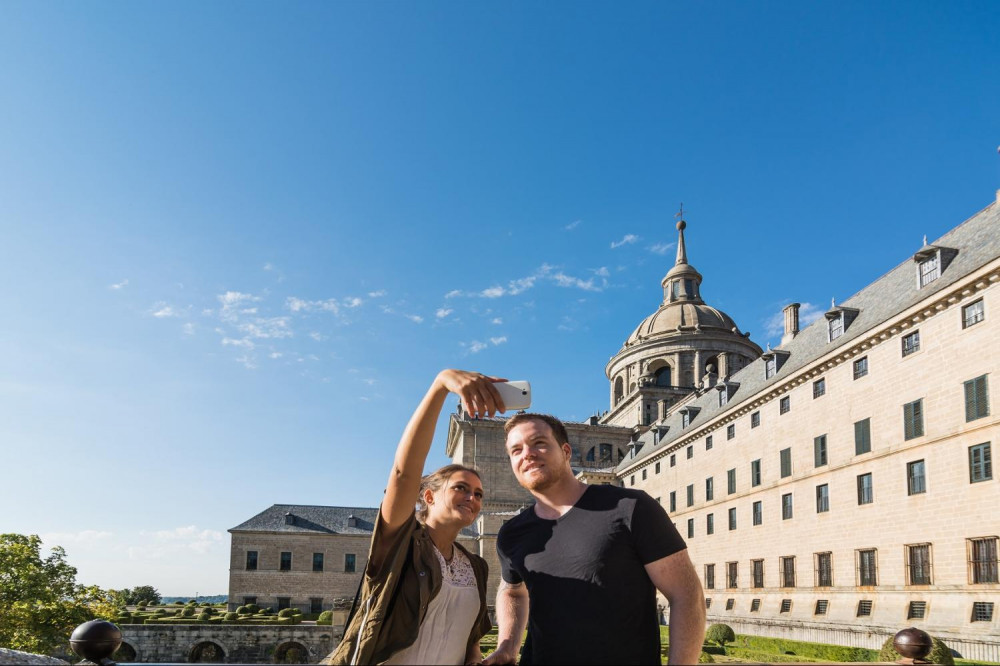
x=682, y=225
x=96, y=641
x=913, y=643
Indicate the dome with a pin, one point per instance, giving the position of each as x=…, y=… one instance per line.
x=682, y=319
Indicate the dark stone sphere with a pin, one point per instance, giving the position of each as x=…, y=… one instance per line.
x=913, y=643
x=96, y=640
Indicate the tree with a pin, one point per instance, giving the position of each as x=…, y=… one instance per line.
x=720, y=634
x=40, y=601
x=141, y=593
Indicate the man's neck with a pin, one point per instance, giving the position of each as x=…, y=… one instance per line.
x=553, y=502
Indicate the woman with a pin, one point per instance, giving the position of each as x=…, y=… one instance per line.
x=423, y=597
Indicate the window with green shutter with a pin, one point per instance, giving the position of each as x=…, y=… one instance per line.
x=913, y=419
x=786, y=462
x=862, y=436
x=819, y=450
x=977, y=403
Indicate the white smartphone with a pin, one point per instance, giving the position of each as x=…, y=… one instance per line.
x=516, y=395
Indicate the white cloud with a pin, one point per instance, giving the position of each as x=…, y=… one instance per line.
x=660, y=248
x=244, y=343
x=119, y=286
x=572, y=225
x=267, y=328
x=443, y=312
x=369, y=381
x=318, y=337
x=498, y=341
x=249, y=362
x=417, y=319
x=602, y=271
x=300, y=305
x=275, y=355
x=83, y=537
x=376, y=294
x=453, y=293
x=352, y=302
x=492, y=292
x=628, y=239
x=232, y=302
x=161, y=544
x=774, y=325
x=476, y=346
x=496, y=320
x=163, y=311
x=564, y=280
x=188, y=328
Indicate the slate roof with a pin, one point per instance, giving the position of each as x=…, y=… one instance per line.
x=308, y=519
x=977, y=241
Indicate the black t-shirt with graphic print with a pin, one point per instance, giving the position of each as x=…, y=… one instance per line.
x=591, y=601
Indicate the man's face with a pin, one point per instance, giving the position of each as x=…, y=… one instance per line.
x=538, y=460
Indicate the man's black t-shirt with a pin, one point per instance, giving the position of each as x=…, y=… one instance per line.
x=591, y=601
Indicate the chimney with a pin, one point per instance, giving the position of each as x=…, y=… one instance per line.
x=791, y=322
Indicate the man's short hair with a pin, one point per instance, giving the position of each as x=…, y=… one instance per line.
x=558, y=429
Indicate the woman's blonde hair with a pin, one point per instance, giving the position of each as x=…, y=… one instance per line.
x=435, y=481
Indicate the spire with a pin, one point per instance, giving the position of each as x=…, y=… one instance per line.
x=681, y=225
x=682, y=281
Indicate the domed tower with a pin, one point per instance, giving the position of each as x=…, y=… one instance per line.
x=683, y=346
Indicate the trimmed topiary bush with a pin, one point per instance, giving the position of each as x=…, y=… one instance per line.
x=326, y=617
x=243, y=610
x=720, y=634
x=940, y=653
x=705, y=658
x=230, y=617
x=296, y=611
x=187, y=612
x=253, y=608
x=286, y=612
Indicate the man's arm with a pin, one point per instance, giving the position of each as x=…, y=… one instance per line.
x=512, y=618
x=674, y=576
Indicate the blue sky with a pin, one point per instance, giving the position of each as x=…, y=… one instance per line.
x=237, y=240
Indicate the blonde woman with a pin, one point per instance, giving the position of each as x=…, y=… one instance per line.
x=423, y=597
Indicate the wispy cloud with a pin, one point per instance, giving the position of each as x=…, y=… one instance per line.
x=476, y=346
x=774, y=325
x=315, y=335
x=119, y=286
x=628, y=239
x=498, y=341
x=188, y=328
x=352, y=302
x=416, y=319
x=82, y=537
x=496, y=320
x=296, y=304
x=376, y=294
x=661, y=248
x=161, y=544
x=454, y=293
x=572, y=225
x=493, y=292
x=163, y=311
x=443, y=312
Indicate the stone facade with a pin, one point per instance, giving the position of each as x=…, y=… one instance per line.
x=184, y=643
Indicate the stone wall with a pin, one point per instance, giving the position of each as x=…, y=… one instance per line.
x=183, y=643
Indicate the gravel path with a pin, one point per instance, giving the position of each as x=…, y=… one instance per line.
x=15, y=657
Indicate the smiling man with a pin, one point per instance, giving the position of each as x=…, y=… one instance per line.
x=587, y=562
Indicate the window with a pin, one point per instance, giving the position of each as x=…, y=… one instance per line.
x=770, y=367
x=690, y=452
x=708, y=602
x=787, y=573
x=822, y=498
x=819, y=450
x=916, y=610
x=911, y=343
x=316, y=605
x=690, y=528
x=821, y=606
x=819, y=387
x=317, y=561
x=251, y=560
x=709, y=488
x=755, y=419
x=284, y=602
x=980, y=463
x=824, y=569
x=657, y=468
x=918, y=564
x=862, y=436
x=786, y=462
x=732, y=519
x=835, y=327
x=730, y=431
x=732, y=574
x=286, y=561
x=673, y=459
x=982, y=611
x=673, y=501
x=249, y=600
x=861, y=367
x=977, y=402
x=709, y=576
x=972, y=314
x=631, y=480
x=685, y=419
x=785, y=404
x=754, y=605
x=644, y=474
x=786, y=506
x=983, y=563
x=755, y=473
x=913, y=419
x=708, y=443
x=710, y=524
x=930, y=270
x=867, y=567
x=350, y=562
x=729, y=604
x=758, y=512
x=864, y=608
x=866, y=494
x=756, y=573
x=786, y=606
x=916, y=482
x=731, y=481
x=723, y=396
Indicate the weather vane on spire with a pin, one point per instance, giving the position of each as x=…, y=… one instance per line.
x=680, y=214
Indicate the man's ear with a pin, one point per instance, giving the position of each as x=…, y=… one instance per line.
x=568, y=450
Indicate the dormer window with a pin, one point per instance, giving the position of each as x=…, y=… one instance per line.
x=932, y=260
x=726, y=391
x=687, y=415
x=723, y=398
x=773, y=360
x=838, y=320
x=836, y=326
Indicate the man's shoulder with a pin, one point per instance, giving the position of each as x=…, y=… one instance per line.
x=525, y=517
x=617, y=492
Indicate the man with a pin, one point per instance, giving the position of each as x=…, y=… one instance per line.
x=587, y=561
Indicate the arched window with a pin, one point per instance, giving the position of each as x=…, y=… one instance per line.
x=619, y=390
x=605, y=453
x=590, y=454
x=663, y=376
x=291, y=653
x=207, y=653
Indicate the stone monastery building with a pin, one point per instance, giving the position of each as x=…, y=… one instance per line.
x=836, y=488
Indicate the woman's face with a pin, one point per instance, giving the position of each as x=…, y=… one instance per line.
x=458, y=501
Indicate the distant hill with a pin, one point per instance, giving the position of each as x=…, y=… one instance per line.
x=217, y=599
